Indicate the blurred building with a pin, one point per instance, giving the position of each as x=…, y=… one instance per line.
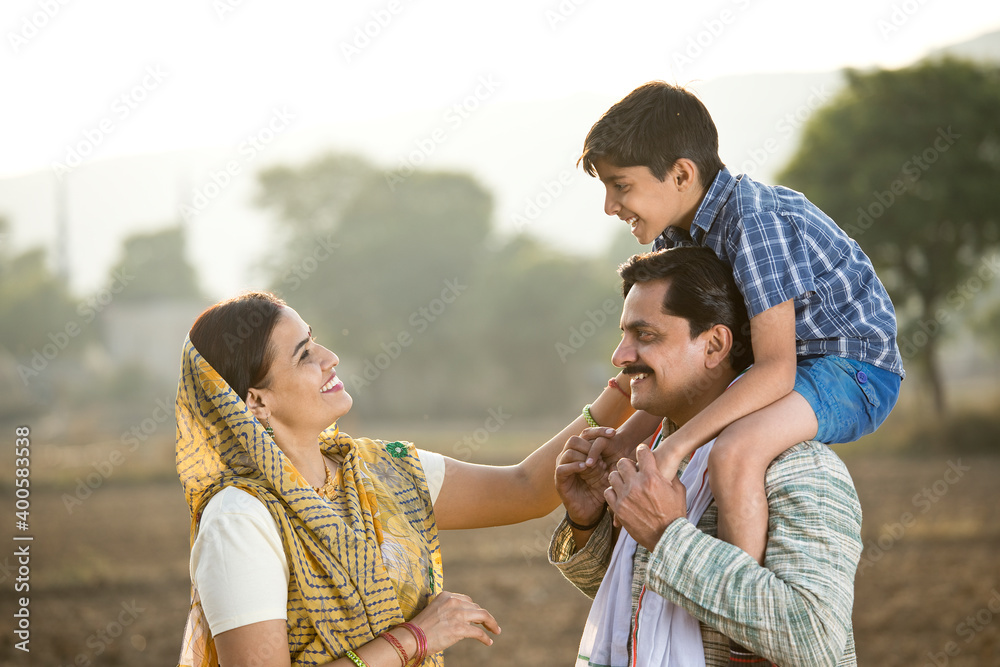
x=149, y=334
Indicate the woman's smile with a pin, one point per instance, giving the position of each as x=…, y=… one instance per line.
x=333, y=384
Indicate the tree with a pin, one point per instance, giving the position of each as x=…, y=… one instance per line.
x=153, y=266
x=377, y=272
x=34, y=303
x=428, y=315
x=908, y=161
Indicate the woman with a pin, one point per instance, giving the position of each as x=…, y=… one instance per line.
x=311, y=547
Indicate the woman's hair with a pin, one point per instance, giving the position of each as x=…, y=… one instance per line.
x=233, y=336
x=654, y=126
x=702, y=291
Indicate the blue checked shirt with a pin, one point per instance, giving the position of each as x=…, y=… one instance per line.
x=780, y=247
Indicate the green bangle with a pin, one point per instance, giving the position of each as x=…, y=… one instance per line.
x=353, y=657
x=589, y=417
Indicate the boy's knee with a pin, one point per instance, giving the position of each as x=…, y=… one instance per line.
x=724, y=460
x=734, y=456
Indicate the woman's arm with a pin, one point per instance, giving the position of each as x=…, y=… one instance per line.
x=449, y=618
x=266, y=644
x=477, y=496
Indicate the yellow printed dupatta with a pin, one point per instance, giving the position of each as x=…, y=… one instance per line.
x=340, y=593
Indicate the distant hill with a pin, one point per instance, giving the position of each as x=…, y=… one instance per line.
x=524, y=153
x=984, y=48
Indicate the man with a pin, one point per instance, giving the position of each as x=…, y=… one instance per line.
x=671, y=592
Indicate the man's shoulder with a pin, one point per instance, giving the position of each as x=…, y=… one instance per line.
x=809, y=463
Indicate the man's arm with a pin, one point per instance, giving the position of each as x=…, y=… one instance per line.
x=797, y=609
x=584, y=567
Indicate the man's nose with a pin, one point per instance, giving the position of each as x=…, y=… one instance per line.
x=624, y=354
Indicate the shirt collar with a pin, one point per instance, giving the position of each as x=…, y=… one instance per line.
x=718, y=193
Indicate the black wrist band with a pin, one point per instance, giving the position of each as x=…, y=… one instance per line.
x=592, y=526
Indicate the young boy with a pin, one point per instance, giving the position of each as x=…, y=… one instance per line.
x=823, y=330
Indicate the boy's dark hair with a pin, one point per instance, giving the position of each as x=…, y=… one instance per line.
x=654, y=126
x=702, y=291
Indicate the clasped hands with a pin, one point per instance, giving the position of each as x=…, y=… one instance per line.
x=644, y=493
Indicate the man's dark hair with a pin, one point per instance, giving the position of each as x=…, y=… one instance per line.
x=654, y=126
x=234, y=336
x=702, y=291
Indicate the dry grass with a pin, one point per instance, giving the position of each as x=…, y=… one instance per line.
x=930, y=564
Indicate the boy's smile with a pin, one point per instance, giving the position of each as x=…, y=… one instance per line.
x=648, y=204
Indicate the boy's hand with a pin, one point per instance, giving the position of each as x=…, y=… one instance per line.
x=668, y=456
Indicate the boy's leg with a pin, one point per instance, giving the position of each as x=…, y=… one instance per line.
x=739, y=460
x=736, y=473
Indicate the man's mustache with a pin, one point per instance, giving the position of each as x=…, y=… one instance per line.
x=636, y=369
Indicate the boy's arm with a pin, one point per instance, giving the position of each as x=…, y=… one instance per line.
x=772, y=376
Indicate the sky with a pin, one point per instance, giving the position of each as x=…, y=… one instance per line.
x=188, y=73
x=90, y=81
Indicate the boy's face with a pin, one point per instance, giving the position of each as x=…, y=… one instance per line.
x=646, y=203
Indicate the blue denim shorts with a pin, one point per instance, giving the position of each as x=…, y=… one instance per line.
x=850, y=398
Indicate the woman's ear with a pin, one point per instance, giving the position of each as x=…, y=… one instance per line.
x=257, y=401
x=718, y=343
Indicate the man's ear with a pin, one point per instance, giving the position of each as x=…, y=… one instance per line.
x=718, y=344
x=685, y=175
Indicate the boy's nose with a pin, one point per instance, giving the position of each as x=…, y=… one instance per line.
x=611, y=206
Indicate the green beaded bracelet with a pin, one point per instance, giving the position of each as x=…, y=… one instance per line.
x=589, y=417
x=353, y=657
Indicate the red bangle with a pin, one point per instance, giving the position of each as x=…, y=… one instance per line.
x=396, y=645
x=613, y=382
x=421, y=638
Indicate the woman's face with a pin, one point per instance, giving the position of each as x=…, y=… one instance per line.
x=303, y=395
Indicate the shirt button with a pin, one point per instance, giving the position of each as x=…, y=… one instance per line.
x=862, y=377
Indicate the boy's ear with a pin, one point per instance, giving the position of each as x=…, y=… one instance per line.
x=685, y=174
x=718, y=343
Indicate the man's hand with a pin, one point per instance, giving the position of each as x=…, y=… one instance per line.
x=581, y=486
x=644, y=500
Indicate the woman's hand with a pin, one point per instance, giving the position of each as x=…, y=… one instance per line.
x=452, y=617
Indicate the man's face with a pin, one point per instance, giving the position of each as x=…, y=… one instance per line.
x=647, y=204
x=666, y=366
